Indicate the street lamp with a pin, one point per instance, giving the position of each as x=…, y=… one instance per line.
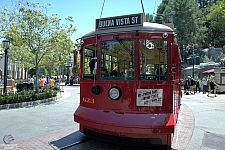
x=6, y=47
x=196, y=60
x=193, y=59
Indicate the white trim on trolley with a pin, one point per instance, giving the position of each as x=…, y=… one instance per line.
x=146, y=27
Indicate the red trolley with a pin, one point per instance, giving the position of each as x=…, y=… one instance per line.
x=130, y=83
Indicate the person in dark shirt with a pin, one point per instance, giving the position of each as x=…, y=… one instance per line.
x=198, y=88
x=92, y=64
x=159, y=71
x=188, y=85
x=212, y=86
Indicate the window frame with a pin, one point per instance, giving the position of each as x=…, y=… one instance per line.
x=114, y=60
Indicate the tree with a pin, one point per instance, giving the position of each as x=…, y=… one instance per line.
x=216, y=29
x=188, y=21
x=148, y=18
x=162, y=15
x=36, y=35
x=221, y=5
x=205, y=3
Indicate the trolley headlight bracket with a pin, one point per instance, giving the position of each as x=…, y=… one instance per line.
x=115, y=93
x=95, y=89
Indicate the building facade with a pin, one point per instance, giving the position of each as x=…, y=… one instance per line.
x=13, y=70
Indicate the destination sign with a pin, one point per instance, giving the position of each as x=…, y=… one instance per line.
x=119, y=21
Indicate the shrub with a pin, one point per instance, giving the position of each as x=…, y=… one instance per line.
x=29, y=95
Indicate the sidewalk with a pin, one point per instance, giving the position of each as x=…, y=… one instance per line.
x=220, y=96
x=209, y=123
x=63, y=84
x=33, y=127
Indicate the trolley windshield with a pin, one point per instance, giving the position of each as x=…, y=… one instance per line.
x=118, y=59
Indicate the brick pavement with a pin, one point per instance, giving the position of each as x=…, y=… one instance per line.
x=40, y=142
x=184, y=128
x=183, y=132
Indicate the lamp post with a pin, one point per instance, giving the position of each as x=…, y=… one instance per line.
x=193, y=58
x=6, y=47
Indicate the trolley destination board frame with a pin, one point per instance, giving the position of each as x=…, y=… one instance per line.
x=119, y=21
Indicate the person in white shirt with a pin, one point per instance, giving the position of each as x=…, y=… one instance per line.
x=95, y=68
x=31, y=79
x=205, y=83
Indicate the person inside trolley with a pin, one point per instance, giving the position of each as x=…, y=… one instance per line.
x=159, y=71
x=93, y=65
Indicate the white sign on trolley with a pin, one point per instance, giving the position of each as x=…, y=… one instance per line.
x=149, y=97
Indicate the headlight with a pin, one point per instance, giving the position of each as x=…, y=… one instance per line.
x=115, y=93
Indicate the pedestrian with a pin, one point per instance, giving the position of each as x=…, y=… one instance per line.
x=42, y=81
x=205, y=83
x=71, y=81
x=52, y=82
x=186, y=85
x=31, y=82
x=198, y=88
x=57, y=81
x=78, y=79
x=193, y=84
x=212, y=86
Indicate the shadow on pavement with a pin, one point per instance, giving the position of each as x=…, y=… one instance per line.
x=78, y=141
x=69, y=140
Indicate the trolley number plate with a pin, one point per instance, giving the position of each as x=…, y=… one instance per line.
x=88, y=100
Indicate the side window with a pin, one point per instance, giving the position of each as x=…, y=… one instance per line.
x=153, y=59
x=89, y=57
x=117, y=60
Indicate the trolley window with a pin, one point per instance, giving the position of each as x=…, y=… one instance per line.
x=117, y=60
x=153, y=59
x=89, y=59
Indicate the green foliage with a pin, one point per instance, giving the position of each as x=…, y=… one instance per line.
x=221, y=5
x=216, y=29
x=189, y=23
x=197, y=23
x=148, y=18
x=29, y=95
x=39, y=39
x=221, y=57
x=205, y=59
x=220, y=42
x=205, y=3
x=162, y=15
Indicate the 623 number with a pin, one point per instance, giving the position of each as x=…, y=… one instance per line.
x=88, y=100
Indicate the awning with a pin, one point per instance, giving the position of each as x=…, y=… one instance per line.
x=208, y=71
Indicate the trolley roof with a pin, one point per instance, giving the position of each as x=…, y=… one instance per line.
x=145, y=27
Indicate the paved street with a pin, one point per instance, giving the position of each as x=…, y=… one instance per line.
x=28, y=122
x=209, y=112
x=201, y=124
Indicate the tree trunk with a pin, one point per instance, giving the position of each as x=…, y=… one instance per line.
x=36, y=68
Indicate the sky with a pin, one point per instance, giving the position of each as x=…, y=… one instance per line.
x=85, y=12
